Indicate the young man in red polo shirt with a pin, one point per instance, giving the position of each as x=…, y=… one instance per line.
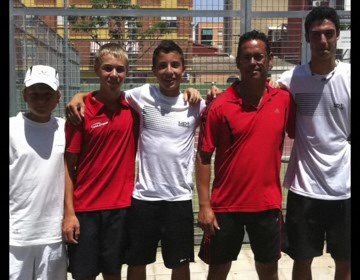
x=100, y=172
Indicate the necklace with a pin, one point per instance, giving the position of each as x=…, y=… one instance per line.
x=324, y=77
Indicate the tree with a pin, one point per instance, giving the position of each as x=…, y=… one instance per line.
x=127, y=31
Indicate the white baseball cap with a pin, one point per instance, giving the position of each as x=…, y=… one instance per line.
x=42, y=74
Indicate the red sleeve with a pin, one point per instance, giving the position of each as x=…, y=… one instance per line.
x=208, y=130
x=74, y=137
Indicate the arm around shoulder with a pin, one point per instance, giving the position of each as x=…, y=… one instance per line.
x=75, y=109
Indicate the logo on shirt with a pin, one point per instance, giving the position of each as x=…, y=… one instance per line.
x=277, y=111
x=98, y=124
x=338, y=106
x=184, y=124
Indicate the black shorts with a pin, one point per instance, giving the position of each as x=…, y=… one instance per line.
x=263, y=228
x=171, y=223
x=310, y=222
x=101, y=246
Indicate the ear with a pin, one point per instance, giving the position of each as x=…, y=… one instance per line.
x=307, y=38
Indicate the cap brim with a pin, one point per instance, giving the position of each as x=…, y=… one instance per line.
x=36, y=81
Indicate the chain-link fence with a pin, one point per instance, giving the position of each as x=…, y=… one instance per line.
x=67, y=33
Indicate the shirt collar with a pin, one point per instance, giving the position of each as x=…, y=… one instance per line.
x=97, y=106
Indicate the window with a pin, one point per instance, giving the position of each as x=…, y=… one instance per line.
x=171, y=22
x=206, y=36
x=277, y=33
x=60, y=20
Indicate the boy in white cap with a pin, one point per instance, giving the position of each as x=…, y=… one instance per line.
x=36, y=188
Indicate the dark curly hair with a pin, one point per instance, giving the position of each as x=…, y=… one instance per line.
x=254, y=35
x=321, y=13
x=167, y=46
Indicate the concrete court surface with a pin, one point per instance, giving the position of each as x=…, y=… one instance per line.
x=243, y=268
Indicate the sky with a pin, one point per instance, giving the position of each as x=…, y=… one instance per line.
x=209, y=4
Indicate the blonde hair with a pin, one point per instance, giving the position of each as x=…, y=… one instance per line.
x=113, y=49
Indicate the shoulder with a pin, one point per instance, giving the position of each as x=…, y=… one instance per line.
x=277, y=90
x=345, y=68
x=344, y=65
x=17, y=118
x=89, y=97
x=221, y=101
x=229, y=93
x=296, y=70
x=60, y=119
x=137, y=93
x=279, y=93
x=142, y=88
x=292, y=75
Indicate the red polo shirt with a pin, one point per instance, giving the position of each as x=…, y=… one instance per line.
x=107, y=144
x=248, y=143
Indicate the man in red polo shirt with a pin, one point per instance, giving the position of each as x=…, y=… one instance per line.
x=100, y=172
x=245, y=127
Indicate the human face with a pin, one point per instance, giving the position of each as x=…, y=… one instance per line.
x=253, y=60
x=322, y=38
x=112, y=72
x=169, y=71
x=41, y=100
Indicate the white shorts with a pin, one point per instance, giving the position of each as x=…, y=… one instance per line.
x=45, y=262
